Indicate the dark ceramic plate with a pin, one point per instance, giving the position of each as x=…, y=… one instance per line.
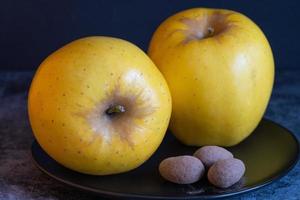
x=269, y=153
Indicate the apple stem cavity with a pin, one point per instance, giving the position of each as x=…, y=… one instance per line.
x=115, y=109
x=209, y=25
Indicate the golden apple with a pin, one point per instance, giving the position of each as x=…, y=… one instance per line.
x=99, y=106
x=220, y=70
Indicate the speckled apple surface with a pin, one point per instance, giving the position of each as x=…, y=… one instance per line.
x=20, y=179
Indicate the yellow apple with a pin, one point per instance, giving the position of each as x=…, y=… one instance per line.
x=220, y=70
x=99, y=106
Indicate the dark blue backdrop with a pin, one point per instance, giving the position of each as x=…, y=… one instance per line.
x=32, y=29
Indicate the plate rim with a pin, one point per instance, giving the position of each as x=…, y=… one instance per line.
x=105, y=193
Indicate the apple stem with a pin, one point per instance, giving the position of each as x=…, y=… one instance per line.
x=112, y=110
x=210, y=30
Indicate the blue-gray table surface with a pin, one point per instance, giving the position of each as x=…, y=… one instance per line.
x=21, y=179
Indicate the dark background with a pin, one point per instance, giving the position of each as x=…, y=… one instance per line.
x=32, y=29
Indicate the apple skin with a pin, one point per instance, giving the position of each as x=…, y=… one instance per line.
x=220, y=70
x=72, y=91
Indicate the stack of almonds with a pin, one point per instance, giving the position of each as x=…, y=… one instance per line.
x=223, y=169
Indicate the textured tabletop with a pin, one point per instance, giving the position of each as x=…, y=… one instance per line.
x=20, y=179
